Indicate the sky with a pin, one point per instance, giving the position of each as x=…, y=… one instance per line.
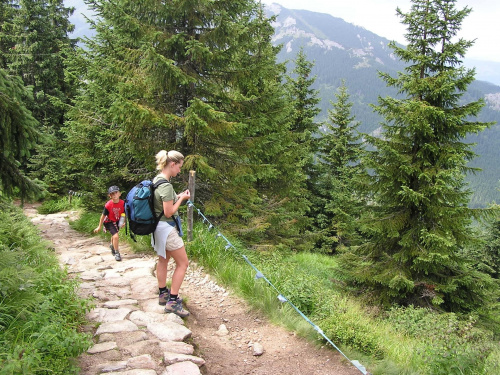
x=379, y=16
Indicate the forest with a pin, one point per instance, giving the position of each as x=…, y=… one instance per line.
x=391, y=210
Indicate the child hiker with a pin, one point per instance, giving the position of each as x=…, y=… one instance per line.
x=113, y=217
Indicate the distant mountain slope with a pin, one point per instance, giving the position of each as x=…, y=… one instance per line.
x=340, y=51
x=343, y=51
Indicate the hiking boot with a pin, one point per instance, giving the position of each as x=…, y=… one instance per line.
x=175, y=307
x=118, y=256
x=112, y=249
x=163, y=298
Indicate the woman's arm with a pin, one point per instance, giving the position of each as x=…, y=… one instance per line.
x=169, y=207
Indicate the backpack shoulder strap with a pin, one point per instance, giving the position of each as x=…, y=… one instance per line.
x=154, y=186
x=160, y=182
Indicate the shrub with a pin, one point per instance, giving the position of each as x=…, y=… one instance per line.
x=446, y=344
x=349, y=329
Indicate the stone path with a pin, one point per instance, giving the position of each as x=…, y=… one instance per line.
x=133, y=335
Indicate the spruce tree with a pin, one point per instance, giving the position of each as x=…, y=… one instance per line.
x=420, y=223
x=200, y=78
x=487, y=257
x=297, y=157
x=304, y=101
x=18, y=129
x=338, y=201
x=38, y=33
x=6, y=37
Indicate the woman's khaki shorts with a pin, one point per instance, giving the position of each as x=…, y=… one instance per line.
x=174, y=241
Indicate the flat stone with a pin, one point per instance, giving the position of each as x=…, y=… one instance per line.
x=171, y=358
x=144, y=287
x=69, y=260
x=100, y=295
x=118, y=326
x=102, y=315
x=142, y=318
x=182, y=368
x=85, y=285
x=176, y=347
x=124, y=338
x=115, y=292
x=142, y=347
x=144, y=361
x=102, y=347
x=168, y=331
x=151, y=305
x=138, y=273
x=134, y=372
x=174, y=319
x=112, y=366
x=111, y=273
x=91, y=276
x=115, y=281
x=90, y=263
x=121, y=302
x=104, y=266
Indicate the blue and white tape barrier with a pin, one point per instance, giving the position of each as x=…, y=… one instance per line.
x=281, y=298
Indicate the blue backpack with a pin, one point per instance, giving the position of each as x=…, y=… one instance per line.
x=139, y=207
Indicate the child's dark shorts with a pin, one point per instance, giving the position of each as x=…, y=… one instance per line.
x=112, y=227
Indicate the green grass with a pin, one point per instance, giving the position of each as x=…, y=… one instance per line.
x=60, y=204
x=40, y=311
x=405, y=341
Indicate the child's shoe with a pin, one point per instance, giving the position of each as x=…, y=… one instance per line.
x=118, y=256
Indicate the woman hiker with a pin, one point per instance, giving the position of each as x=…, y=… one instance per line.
x=166, y=240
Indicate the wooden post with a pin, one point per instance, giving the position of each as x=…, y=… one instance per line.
x=191, y=184
x=69, y=193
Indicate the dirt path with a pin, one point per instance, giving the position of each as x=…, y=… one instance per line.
x=133, y=336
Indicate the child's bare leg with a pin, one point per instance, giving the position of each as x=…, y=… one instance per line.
x=115, y=241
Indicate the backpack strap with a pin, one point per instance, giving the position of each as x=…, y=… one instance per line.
x=160, y=182
x=154, y=186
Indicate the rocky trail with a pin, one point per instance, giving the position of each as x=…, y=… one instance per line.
x=133, y=336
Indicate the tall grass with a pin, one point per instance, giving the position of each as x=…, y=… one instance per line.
x=40, y=311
